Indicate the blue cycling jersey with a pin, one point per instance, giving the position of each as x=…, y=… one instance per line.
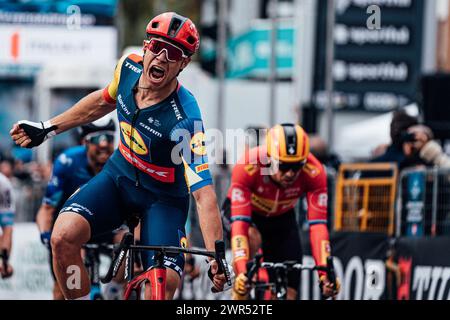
x=162, y=147
x=70, y=171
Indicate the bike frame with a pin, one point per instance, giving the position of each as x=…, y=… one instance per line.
x=156, y=275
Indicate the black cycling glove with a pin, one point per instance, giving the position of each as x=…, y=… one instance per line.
x=38, y=132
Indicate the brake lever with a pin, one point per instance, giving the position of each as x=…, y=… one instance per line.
x=119, y=253
x=222, y=264
x=331, y=275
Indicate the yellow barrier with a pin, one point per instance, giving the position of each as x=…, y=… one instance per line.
x=365, y=197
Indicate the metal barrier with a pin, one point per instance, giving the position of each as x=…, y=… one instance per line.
x=365, y=197
x=423, y=203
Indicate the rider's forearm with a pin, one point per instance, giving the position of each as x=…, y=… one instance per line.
x=44, y=217
x=240, y=245
x=88, y=109
x=320, y=244
x=209, y=216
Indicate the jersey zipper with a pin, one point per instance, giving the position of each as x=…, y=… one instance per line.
x=133, y=122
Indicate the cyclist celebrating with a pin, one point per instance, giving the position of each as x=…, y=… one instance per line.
x=160, y=159
x=73, y=168
x=262, y=206
x=7, y=211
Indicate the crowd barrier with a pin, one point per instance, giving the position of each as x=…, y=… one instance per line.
x=365, y=197
x=423, y=203
x=368, y=207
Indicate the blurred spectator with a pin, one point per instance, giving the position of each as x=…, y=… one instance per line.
x=22, y=154
x=395, y=152
x=426, y=148
x=7, y=167
x=320, y=150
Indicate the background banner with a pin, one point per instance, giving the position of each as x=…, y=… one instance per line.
x=359, y=262
x=424, y=268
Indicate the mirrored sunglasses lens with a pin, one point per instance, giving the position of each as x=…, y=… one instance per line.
x=285, y=167
x=173, y=53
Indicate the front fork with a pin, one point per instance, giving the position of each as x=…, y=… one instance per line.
x=156, y=275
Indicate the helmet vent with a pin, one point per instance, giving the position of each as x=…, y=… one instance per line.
x=174, y=27
x=191, y=40
x=155, y=24
x=291, y=139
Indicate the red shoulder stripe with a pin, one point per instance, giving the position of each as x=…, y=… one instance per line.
x=107, y=97
x=136, y=58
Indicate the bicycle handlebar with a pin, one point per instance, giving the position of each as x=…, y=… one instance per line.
x=127, y=243
x=254, y=265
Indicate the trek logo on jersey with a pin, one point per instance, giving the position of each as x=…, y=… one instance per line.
x=132, y=67
x=201, y=168
x=198, y=145
x=176, y=110
x=135, y=141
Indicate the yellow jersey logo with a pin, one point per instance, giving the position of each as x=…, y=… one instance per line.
x=251, y=169
x=198, y=145
x=135, y=141
x=183, y=244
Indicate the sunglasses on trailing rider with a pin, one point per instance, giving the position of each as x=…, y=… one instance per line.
x=157, y=45
x=294, y=166
x=98, y=137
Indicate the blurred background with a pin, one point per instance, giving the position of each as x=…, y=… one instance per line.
x=342, y=69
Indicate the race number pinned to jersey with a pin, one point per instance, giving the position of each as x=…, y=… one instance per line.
x=239, y=244
x=198, y=145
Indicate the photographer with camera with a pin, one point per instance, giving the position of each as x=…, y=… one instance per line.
x=400, y=151
x=425, y=148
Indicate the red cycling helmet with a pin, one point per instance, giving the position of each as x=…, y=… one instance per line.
x=176, y=28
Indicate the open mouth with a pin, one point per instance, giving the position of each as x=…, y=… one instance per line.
x=157, y=73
